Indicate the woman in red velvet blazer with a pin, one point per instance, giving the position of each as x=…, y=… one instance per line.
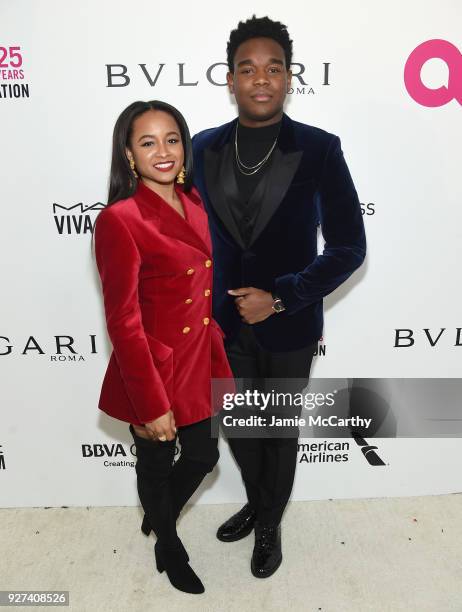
x=153, y=252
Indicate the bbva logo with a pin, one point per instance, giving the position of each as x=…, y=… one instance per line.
x=426, y=96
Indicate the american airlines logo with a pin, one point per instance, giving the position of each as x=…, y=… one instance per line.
x=368, y=450
x=77, y=218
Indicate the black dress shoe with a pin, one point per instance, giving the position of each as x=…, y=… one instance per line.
x=238, y=526
x=267, y=555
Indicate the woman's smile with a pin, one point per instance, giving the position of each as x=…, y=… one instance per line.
x=164, y=166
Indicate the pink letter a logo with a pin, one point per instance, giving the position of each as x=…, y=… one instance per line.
x=422, y=94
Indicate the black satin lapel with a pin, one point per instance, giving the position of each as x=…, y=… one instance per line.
x=221, y=186
x=279, y=177
x=227, y=176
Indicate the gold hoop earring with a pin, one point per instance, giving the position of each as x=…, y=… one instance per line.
x=132, y=166
x=181, y=176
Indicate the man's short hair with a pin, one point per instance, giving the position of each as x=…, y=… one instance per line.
x=257, y=27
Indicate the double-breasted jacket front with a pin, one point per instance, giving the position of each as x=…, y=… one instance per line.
x=156, y=273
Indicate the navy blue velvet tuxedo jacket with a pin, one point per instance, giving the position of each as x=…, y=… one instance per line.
x=308, y=184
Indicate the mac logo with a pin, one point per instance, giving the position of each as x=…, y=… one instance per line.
x=75, y=219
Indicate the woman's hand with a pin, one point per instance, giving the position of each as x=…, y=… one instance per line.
x=162, y=428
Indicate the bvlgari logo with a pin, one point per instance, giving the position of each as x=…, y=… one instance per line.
x=77, y=218
x=304, y=80
x=405, y=338
x=60, y=348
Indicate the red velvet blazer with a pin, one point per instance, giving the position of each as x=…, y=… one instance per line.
x=156, y=275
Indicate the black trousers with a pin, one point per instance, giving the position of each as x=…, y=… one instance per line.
x=267, y=463
x=164, y=486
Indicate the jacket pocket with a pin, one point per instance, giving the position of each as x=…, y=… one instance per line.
x=159, y=351
x=162, y=356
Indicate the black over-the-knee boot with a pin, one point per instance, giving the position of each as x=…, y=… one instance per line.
x=199, y=455
x=153, y=469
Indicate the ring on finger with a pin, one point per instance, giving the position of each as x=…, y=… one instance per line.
x=162, y=438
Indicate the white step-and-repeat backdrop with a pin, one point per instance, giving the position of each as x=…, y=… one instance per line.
x=386, y=77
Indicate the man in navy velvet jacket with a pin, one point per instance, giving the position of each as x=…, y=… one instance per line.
x=267, y=182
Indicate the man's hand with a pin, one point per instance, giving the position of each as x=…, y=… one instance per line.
x=162, y=428
x=254, y=305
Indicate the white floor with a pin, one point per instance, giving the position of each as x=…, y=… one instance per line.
x=374, y=555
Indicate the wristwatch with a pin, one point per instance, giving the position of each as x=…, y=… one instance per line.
x=277, y=306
